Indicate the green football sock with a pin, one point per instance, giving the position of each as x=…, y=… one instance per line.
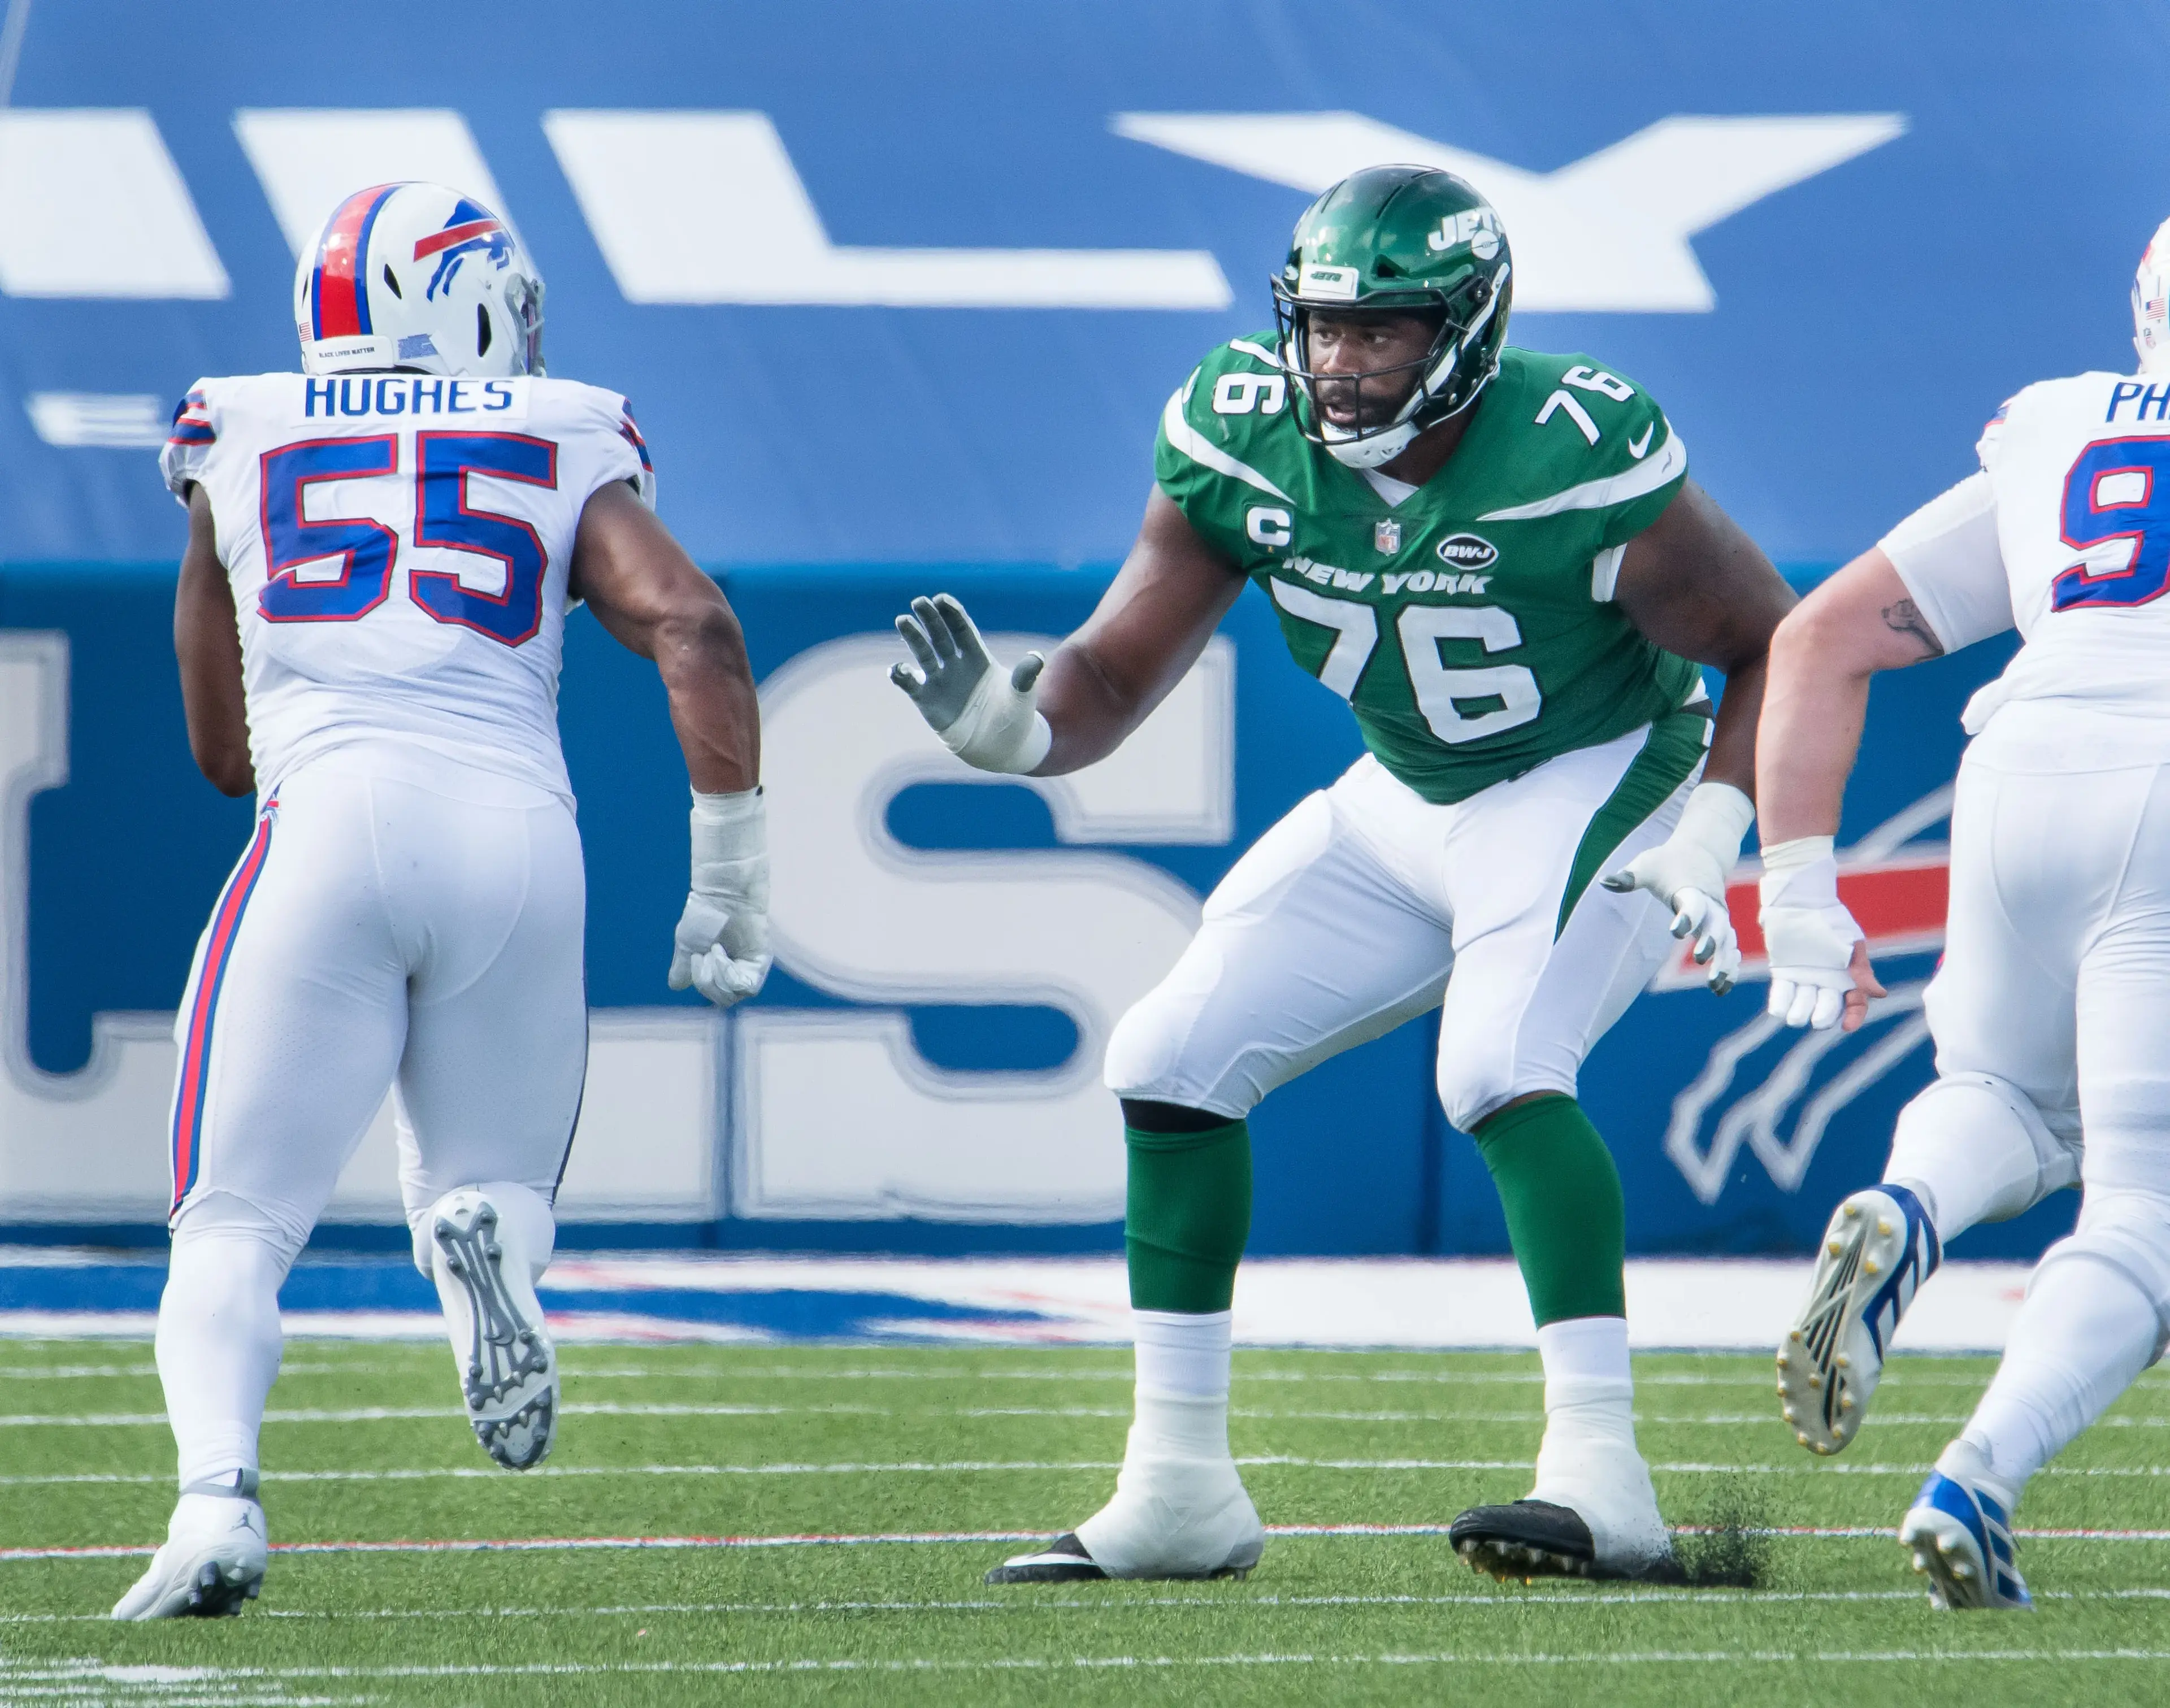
x=1188, y=1215
x=1565, y=1214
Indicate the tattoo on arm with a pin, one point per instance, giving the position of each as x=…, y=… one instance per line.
x=1906, y=618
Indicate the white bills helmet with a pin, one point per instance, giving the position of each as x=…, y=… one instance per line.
x=417, y=276
x=2150, y=304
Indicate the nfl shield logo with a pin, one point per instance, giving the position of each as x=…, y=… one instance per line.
x=1387, y=536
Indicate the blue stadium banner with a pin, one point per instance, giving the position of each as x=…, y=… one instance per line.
x=901, y=1084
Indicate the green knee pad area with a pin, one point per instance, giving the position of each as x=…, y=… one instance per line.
x=1188, y=1215
x=1565, y=1214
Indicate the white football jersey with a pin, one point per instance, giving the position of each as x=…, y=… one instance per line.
x=2065, y=536
x=398, y=546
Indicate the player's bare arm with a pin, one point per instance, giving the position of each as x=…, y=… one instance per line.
x=207, y=642
x=657, y=601
x=1056, y=715
x=1694, y=584
x=1150, y=627
x=1173, y=589
x=1698, y=586
x=1860, y=622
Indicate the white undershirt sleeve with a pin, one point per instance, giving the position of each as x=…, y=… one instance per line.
x=1946, y=553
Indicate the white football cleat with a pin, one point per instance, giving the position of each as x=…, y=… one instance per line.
x=1879, y=1248
x=1959, y=1532
x=1168, y=1519
x=508, y=1366
x=212, y=1560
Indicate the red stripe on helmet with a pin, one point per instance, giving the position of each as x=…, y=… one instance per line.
x=340, y=310
x=455, y=234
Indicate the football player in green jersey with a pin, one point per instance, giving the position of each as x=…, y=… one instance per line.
x=1496, y=556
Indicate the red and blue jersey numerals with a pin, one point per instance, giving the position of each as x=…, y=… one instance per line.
x=2119, y=489
x=367, y=549
x=444, y=517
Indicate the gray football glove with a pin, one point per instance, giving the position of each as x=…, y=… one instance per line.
x=983, y=713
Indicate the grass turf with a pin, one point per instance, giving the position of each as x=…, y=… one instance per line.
x=773, y=1441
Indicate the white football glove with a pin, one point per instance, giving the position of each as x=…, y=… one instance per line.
x=983, y=713
x=1808, y=933
x=721, y=946
x=1687, y=872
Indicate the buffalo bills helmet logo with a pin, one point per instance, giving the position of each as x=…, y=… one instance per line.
x=472, y=230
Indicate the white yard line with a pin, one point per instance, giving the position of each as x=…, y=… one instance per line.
x=1752, y=1374
x=77, y=1673
x=1033, y=1605
x=1806, y=1467
x=61, y=1373
x=378, y=1414
x=629, y=1408
x=673, y=1543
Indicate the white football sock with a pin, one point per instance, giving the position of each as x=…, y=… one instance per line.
x=2085, y=1333
x=1179, y=1504
x=1181, y=1396
x=219, y=1341
x=1587, y=1376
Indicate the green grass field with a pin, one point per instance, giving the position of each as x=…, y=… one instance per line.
x=787, y=1442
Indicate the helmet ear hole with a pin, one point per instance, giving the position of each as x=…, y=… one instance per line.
x=481, y=330
x=392, y=283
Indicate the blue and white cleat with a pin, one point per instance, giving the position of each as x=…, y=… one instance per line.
x=1959, y=1531
x=1879, y=1250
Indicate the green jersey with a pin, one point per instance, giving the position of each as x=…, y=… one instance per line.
x=1470, y=625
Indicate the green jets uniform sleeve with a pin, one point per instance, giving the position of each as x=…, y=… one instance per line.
x=1215, y=432
x=1599, y=442
x=1471, y=625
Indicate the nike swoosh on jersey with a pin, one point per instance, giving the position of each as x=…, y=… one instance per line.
x=1637, y=447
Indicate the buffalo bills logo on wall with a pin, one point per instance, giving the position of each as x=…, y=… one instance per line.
x=470, y=229
x=1775, y=1091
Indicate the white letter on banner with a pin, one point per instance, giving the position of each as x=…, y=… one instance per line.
x=91, y=1147
x=726, y=219
x=837, y=1113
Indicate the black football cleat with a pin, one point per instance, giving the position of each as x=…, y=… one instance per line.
x=1062, y=1561
x=1530, y=1538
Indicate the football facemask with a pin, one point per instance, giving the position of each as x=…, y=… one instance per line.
x=417, y=276
x=1401, y=238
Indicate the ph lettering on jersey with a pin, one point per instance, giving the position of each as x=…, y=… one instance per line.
x=410, y=394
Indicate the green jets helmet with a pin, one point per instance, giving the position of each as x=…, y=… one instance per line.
x=1406, y=239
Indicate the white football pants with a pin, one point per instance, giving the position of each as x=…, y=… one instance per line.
x=2056, y=969
x=2056, y=977
x=1368, y=906
x=396, y=919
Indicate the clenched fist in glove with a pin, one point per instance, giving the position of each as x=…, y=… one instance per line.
x=1687, y=872
x=983, y=713
x=721, y=946
x=1819, y=971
